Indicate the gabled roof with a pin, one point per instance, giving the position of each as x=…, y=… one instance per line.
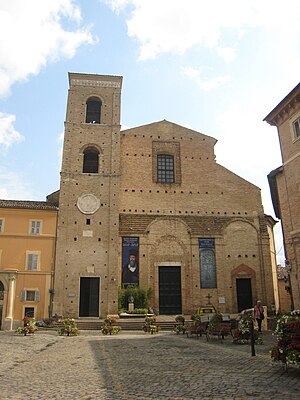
x=283, y=108
x=170, y=124
x=27, y=204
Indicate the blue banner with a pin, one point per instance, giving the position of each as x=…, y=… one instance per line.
x=130, y=261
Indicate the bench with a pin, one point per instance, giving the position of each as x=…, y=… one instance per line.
x=220, y=329
x=196, y=328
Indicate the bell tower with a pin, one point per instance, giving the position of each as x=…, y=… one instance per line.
x=86, y=275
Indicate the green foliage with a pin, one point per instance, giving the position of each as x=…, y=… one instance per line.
x=179, y=328
x=196, y=317
x=140, y=296
x=217, y=317
x=153, y=329
x=108, y=328
x=29, y=326
x=136, y=311
x=241, y=335
x=149, y=325
x=287, y=348
x=69, y=327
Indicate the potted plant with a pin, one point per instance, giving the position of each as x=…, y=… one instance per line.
x=108, y=328
x=241, y=335
x=29, y=326
x=69, y=327
x=149, y=325
x=179, y=324
x=287, y=348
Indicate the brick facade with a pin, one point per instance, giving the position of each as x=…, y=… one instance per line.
x=124, y=199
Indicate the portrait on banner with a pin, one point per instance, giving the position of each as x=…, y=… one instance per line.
x=130, y=262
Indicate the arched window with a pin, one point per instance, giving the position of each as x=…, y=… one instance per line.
x=91, y=160
x=93, y=110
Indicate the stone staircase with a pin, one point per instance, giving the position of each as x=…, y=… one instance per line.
x=135, y=324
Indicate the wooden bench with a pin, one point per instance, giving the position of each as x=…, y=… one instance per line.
x=196, y=328
x=220, y=329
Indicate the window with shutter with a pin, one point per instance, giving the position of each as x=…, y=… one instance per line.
x=22, y=295
x=35, y=227
x=32, y=261
x=37, y=295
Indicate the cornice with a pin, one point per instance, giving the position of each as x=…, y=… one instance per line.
x=285, y=108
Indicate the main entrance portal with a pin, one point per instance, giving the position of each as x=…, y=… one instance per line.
x=89, y=297
x=170, y=290
x=244, y=294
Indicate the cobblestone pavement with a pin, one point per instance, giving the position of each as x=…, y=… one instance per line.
x=135, y=365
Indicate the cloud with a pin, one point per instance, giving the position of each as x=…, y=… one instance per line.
x=245, y=139
x=13, y=186
x=32, y=34
x=117, y=5
x=204, y=84
x=8, y=134
x=227, y=53
x=247, y=144
x=174, y=26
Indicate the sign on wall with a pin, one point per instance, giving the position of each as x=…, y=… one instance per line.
x=130, y=261
x=207, y=259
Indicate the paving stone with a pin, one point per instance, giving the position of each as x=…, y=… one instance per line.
x=134, y=365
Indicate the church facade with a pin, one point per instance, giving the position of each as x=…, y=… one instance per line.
x=150, y=206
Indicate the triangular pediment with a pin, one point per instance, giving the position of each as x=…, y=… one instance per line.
x=167, y=127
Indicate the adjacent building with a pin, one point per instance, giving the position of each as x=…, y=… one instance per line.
x=285, y=185
x=27, y=248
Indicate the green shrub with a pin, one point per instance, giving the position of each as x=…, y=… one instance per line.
x=140, y=296
x=137, y=311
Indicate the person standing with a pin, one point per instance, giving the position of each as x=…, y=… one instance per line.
x=259, y=314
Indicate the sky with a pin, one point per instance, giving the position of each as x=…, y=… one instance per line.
x=217, y=67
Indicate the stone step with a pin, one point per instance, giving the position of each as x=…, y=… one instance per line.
x=125, y=325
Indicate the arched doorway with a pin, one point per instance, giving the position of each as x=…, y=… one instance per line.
x=243, y=286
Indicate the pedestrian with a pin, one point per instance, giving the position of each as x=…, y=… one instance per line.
x=259, y=314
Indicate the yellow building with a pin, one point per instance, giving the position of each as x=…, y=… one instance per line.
x=27, y=250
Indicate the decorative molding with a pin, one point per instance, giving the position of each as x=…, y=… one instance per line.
x=88, y=203
x=90, y=82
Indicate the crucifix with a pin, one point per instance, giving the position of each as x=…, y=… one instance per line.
x=208, y=297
